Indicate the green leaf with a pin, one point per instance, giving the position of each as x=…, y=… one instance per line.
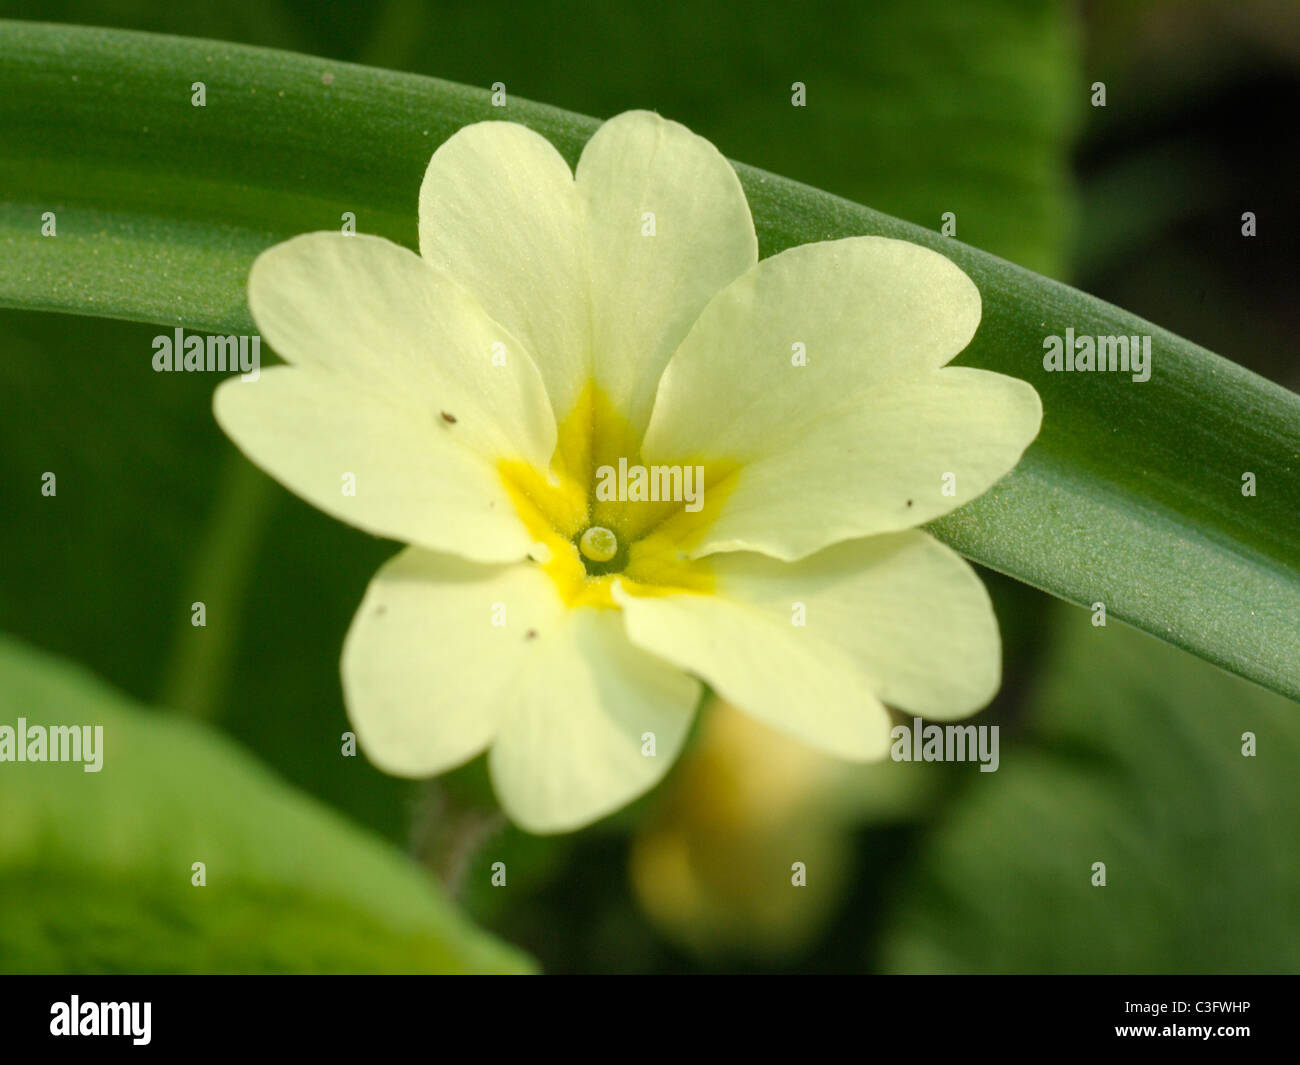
x=1135, y=759
x=96, y=867
x=1131, y=496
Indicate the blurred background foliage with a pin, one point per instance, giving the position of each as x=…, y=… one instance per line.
x=1115, y=748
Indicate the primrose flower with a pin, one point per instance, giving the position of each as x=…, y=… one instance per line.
x=627, y=457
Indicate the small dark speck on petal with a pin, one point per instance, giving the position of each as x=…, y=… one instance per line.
x=449, y=417
x=531, y=634
x=909, y=502
x=381, y=610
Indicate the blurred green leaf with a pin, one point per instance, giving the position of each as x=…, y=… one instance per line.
x=1131, y=495
x=156, y=511
x=95, y=868
x=1135, y=759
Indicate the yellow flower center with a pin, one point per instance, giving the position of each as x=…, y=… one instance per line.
x=590, y=540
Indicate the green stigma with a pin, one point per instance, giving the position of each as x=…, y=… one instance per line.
x=598, y=544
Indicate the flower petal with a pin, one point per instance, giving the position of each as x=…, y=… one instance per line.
x=499, y=211
x=394, y=382
x=426, y=673
x=865, y=310
x=878, y=461
x=377, y=314
x=898, y=619
x=559, y=693
x=647, y=290
x=570, y=749
x=816, y=375
x=373, y=465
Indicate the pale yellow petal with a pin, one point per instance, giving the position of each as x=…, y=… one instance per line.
x=668, y=227
x=806, y=328
x=813, y=383
x=433, y=657
x=814, y=648
x=394, y=412
x=446, y=658
x=576, y=742
x=889, y=458
x=372, y=464
x=377, y=315
x=500, y=212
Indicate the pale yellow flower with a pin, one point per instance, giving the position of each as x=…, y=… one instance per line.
x=555, y=323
